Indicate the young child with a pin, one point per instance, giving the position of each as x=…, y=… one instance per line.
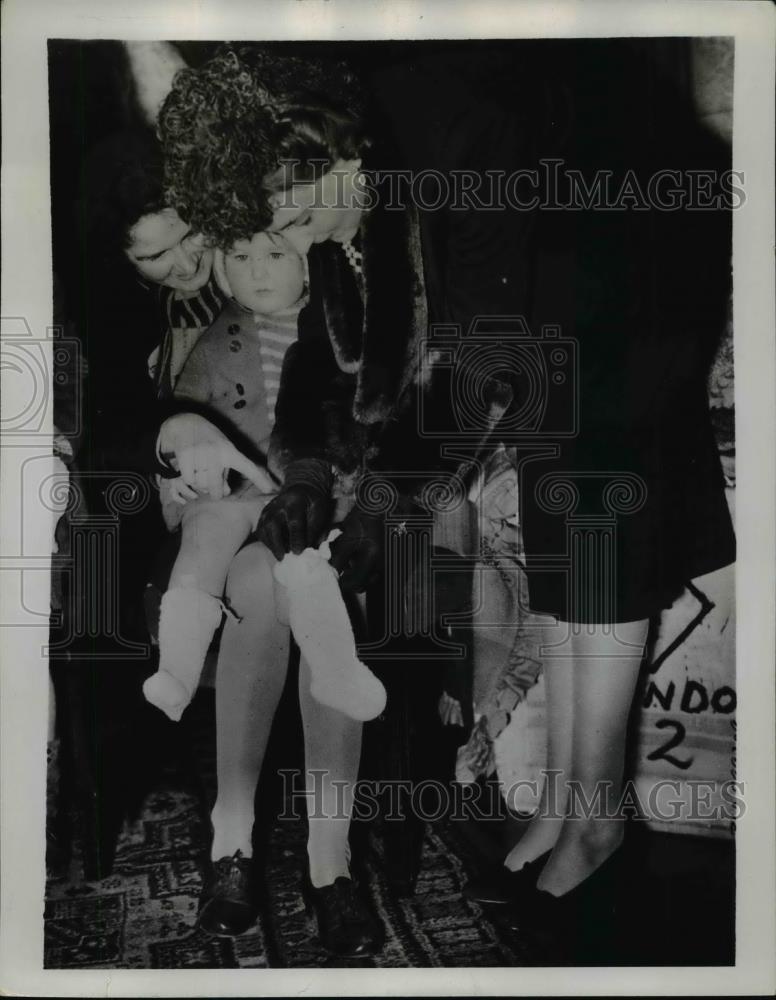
x=232, y=375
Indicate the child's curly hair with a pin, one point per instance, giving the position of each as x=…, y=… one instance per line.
x=232, y=124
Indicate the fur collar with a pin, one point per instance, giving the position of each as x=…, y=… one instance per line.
x=380, y=340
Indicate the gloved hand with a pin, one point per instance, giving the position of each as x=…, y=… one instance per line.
x=358, y=553
x=301, y=513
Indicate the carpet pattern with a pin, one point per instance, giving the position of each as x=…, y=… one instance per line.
x=144, y=915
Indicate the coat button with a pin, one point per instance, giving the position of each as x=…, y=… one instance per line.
x=233, y=329
x=235, y=346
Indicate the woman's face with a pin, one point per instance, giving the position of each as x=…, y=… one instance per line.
x=265, y=274
x=327, y=209
x=163, y=249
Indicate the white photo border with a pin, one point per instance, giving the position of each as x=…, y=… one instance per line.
x=27, y=292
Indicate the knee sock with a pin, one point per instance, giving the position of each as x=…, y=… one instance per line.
x=322, y=628
x=187, y=623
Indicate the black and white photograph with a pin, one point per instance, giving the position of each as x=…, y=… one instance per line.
x=386, y=596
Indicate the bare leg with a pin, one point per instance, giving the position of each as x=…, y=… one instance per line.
x=252, y=667
x=605, y=672
x=332, y=743
x=544, y=828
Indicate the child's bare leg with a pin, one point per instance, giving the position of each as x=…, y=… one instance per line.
x=251, y=672
x=212, y=532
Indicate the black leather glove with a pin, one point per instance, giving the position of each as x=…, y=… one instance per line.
x=358, y=553
x=300, y=514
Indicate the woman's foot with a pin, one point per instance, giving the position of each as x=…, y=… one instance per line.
x=346, y=926
x=229, y=902
x=587, y=924
x=502, y=887
x=515, y=880
x=538, y=840
x=583, y=848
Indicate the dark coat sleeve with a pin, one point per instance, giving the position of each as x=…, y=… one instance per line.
x=314, y=410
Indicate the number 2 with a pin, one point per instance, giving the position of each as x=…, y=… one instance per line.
x=661, y=753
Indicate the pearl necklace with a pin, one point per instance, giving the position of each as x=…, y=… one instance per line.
x=354, y=257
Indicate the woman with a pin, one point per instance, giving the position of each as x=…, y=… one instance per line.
x=220, y=100
x=149, y=295
x=631, y=506
x=280, y=144
x=139, y=246
x=293, y=162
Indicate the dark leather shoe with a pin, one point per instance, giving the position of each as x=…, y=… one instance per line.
x=346, y=927
x=502, y=887
x=600, y=887
x=229, y=902
x=585, y=924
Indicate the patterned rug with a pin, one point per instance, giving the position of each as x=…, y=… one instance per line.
x=144, y=915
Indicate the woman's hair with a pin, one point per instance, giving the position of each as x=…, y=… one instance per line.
x=123, y=181
x=230, y=125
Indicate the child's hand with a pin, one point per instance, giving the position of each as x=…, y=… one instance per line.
x=180, y=492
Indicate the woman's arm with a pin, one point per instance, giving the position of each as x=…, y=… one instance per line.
x=315, y=398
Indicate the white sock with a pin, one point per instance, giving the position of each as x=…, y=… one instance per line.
x=322, y=628
x=187, y=624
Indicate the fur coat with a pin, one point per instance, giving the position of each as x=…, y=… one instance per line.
x=355, y=386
